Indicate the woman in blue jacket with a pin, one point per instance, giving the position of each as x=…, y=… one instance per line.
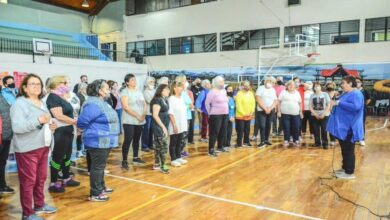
x=232, y=114
x=346, y=124
x=100, y=125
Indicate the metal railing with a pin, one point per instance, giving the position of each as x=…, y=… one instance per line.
x=8, y=45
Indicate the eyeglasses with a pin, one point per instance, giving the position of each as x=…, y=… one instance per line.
x=34, y=84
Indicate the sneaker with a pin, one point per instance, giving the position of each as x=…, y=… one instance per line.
x=185, y=154
x=325, y=147
x=253, y=138
x=6, y=190
x=220, y=150
x=204, y=140
x=46, y=209
x=164, y=169
x=332, y=143
x=156, y=167
x=138, y=162
x=125, y=165
x=286, y=144
x=182, y=161
x=339, y=171
x=106, y=172
x=99, y=198
x=32, y=217
x=238, y=146
x=80, y=154
x=145, y=149
x=316, y=145
x=262, y=145
x=268, y=143
x=56, y=187
x=70, y=182
x=345, y=176
x=362, y=143
x=213, y=154
x=247, y=145
x=176, y=163
x=191, y=143
x=297, y=143
x=107, y=191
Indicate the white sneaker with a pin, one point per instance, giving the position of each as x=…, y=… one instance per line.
x=345, y=176
x=286, y=144
x=362, y=143
x=253, y=138
x=106, y=171
x=332, y=143
x=182, y=161
x=176, y=163
x=339, y=171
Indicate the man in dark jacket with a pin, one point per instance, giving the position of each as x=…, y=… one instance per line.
x=6, y=137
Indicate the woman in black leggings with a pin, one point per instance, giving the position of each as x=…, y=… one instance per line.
x=62, y=113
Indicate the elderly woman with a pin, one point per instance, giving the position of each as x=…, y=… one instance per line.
x=267, y=101
x=201, y=108
x=133, y=119
x=32, y=127
x=163, y=80
x=178, y=123
x=147, y=134
x=188, y=100
x=307, y=116
x=346, y=124
x=217, y=107
x=63, y=114
x=291, y=113
x=245, y=107
x=232, y=112
x=100, y=124
x=5, y=142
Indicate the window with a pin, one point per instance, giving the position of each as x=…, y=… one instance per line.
x=146, y=48
x=377, y=29
x=293, y=2
x=309, y=32
x=339, y=32
x=252, y=39
x=193, y=44
x=146, y=6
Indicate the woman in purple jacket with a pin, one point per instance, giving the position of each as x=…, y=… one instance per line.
x=217, y=107
x=346, y=124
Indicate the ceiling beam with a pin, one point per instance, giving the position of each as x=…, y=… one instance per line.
x=86, y=11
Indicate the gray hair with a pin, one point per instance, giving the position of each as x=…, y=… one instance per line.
x=290, y=82
x=217, y=80
x=205, y=82
x=148, y=80
x=163, y=80
x=269, y=79
x=82, y=86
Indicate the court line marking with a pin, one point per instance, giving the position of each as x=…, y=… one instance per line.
x=174, y=190
x=384, y=126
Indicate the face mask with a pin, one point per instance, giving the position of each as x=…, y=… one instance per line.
x=11, y=86
x=198, y=84
x=62, y=90
x=317, y=89
x=186, y=85
x=268, y=85
x=230, y=94
x=279, y=83
x=151, y=86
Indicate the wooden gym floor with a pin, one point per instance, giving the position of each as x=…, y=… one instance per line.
x=247, y=183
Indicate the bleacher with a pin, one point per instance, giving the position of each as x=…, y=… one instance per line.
x=15, y=39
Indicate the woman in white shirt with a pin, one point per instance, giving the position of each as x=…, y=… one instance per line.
x=291, y=112
x=266, y=100
x=178, y=123
x=307, y=118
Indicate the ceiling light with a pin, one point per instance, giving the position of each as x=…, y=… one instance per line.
x=85, y=4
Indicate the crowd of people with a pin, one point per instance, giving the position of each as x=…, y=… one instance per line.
x=43, y=120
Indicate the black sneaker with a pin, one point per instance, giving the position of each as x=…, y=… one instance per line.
x=247, y=144
x=125, y=165
x=71, y=183
x=262, y=145
x=6, y=190
x=107, y=191
x=268, y=143
x=222, y=150
x=213, y=154
x=316, y=145
x=56, y=187
x=325, y=147
x=145, y=149
x=138, y=162
x=238, y=146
